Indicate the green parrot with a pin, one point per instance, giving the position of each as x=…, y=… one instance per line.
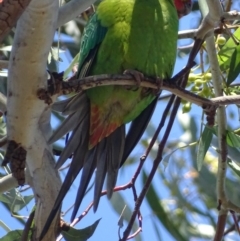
x=134, y=35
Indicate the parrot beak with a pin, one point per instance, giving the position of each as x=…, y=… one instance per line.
x=184, y=7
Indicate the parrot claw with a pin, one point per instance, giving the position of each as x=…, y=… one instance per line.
x=138, y=76
x=44, y=95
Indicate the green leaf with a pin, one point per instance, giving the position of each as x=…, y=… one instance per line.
x=161, y=214
x=226, y=52
x=156, y=228
x=4, y=226
x=70, y=67
x=15, y=235
x=234, y=69
x=234, y=166
x=16, y=201
x=233, y=139
x=21, y=202
x=80, y=234
x=203, y=146
x=4, y=199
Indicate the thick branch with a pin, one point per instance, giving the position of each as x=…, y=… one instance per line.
x=7, y=183
x=28, y=117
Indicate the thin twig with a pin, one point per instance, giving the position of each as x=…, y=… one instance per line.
x=222, y=217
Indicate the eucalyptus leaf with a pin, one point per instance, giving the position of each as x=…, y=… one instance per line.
x=15, y=235
x=70, y=67
x=203, y=146
x=226, y=52
x=234, y=68
x=234, y=166
x=80, y=234
x=16, y=201
x=161, y=214
x=233, y=139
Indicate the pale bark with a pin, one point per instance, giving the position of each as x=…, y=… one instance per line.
x=72, y=9
x=27, y=116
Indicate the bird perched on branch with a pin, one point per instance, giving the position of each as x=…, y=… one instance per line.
x=135, y=35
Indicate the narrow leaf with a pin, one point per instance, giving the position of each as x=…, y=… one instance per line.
x=234, y=166
x=203, y=146
x=70, y=67
x=15, y=200
x=161, y=214
x=233, y=139
x=4, y=226
x=15, y=235
x=234, y=69
x=226, y=52
x=80, y=234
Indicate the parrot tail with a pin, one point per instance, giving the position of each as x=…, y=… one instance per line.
x=106, y=156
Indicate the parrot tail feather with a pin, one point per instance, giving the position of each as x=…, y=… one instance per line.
x=109, y=151
x=75, y=104
x=101, y=171
x=106, y=156
x=60, y=105
x=116, y=142
x=68, y=125
x=76, y=165
x=88, y=169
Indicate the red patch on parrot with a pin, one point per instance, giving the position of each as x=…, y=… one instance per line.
x=101, y=132
x=99, y=128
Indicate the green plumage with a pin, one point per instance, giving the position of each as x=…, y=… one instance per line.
x=128, y=34
x=139, y=35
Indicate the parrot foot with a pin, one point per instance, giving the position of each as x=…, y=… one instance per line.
x=138, y=76
x=43, y=94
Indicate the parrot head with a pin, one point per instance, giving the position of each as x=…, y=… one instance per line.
x=183, y=7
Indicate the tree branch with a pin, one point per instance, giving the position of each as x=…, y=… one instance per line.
x=28, y=117
x=72, y=9
x=77, y=85
x=214, y=15
x=7, y=183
